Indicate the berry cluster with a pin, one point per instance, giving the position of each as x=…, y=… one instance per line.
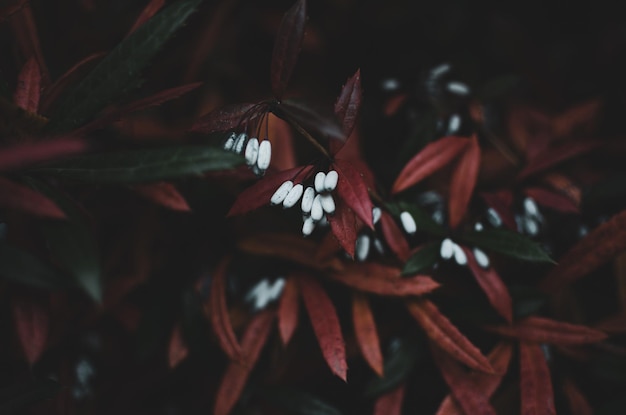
x=257, y=154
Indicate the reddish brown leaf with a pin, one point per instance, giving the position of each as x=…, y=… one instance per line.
x=366, y=333
x=492, y=286
x=432, y=158
x=287, y=47
x=220, y=320
x=260, y=193
x=502, y=203
x=288, y=310
x=23, y=155
x=535, y=383
x=390, y=403
x=146, y=14
x=325, y=325
x=557, y=155
x=441, y=331
x=28, y=87
x=463, y=182
x=595, y=249
x=283, y=151
x=310, y=118
x=383, y=280
x=472, y=400
x=349, y=103
x=394, y=237
x=164, y=194
x=352, y=189
x=344, y=227
x=552, y=200
x=500, y=357
x=578, y=404
x=237, y=373
x=177, y=349
x=227, y=118
x=24, y=28
x=23, y=199
x=32, y=325
x=543, y=330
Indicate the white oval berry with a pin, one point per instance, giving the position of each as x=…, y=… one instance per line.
x=447, y=249
x=317, y=212
x=252, y=151
x=481, y=258
x=454, y=123
x=478, y=227
x=531, y=227
x=531, y=207
x=493, y=218
x=376, y=214
x=281, y=193
x=458, y=88
x=308, y=226
x=293, y=196
x=319, y=181
x=378, y=245
x=307, y=200
x=408, y=223
x=330, y=182
x=459, y=254
x=323, y=222
x=328, y=203
x=362, y=247
x=230, y=141
x=439, y=70
x=239, y=143
x=265, y=155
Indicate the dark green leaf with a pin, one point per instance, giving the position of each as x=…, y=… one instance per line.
x=295, y=401
x=119, y=70
x=21, y=267
x=72, y=243
x=508, y=243
x=399, y=363
x=422, y=219
x=497, y=87
x=20, y=396
x=422, y=259
x=144, y=165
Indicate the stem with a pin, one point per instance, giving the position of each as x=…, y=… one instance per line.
x=305, y=134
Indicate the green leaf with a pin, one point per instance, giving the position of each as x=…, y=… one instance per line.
x=508, y=243
x=422, y=259
x=497, y=87
x=20, y=396
x=21, y=267
x=422, y=219
x=71, y=242
x=144, y=165
x=398, y=366
x=296, y=402
x=119, y=70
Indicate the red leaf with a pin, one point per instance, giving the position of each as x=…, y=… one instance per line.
x=352, y=189
x=28, y=87
x=433, y=157
x=500, y=357
x=597, y=248
x=502, y=203
x=578, y=404
x=23, y=199
x=146, y=14
x=344, y=226
x=32, y=325
x=349, y=103
x=325, y=325
x=441, y=331
x=260, y=193
x=365, y=332
x=557, y=155
x=283, y=151
x=543, y=330
x=237, y=373
x=390, y=403
x=220, y=321
x=383, y=280
x=177, y=348
x=472, y=400
x=23, y=155
x=535, y=383
x=227, y=118
x=394, y=237
x=463, y=182
x=164, y=194
x=24, y=30
x=492, y=286
x=552, y=200
x=288, y=310
x=287, y=47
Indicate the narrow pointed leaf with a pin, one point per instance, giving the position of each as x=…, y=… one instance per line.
x=177, y=348
x=352, y=189
x=578, y=404
x=117, y=72
x=32, y=325
x=552, y=200
x=463, y=182
x=227, y=118
x=344, y=227
x=394, y=237
x=237, y=372
x=551, y=158
x=20, y=198
x=23, y=155
x=543, y=330
x=144, y=165
x=422, y=260
x=383, y=280
x=492, y=286
x=287, y=47
x=164, y=194
x=28, y=87
x=325, y=325
x=366, y=333
x=432, y=158
x=390, y=403
x=311, y=118
x=443, y=333
x=26, y=37
x=22, y=267
x=220, y=320
x=597, y=248
x=146, y=14
x=260, y=193
x=349, y=103
x=507, y=243
x=288, y=310
x=535, y=383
